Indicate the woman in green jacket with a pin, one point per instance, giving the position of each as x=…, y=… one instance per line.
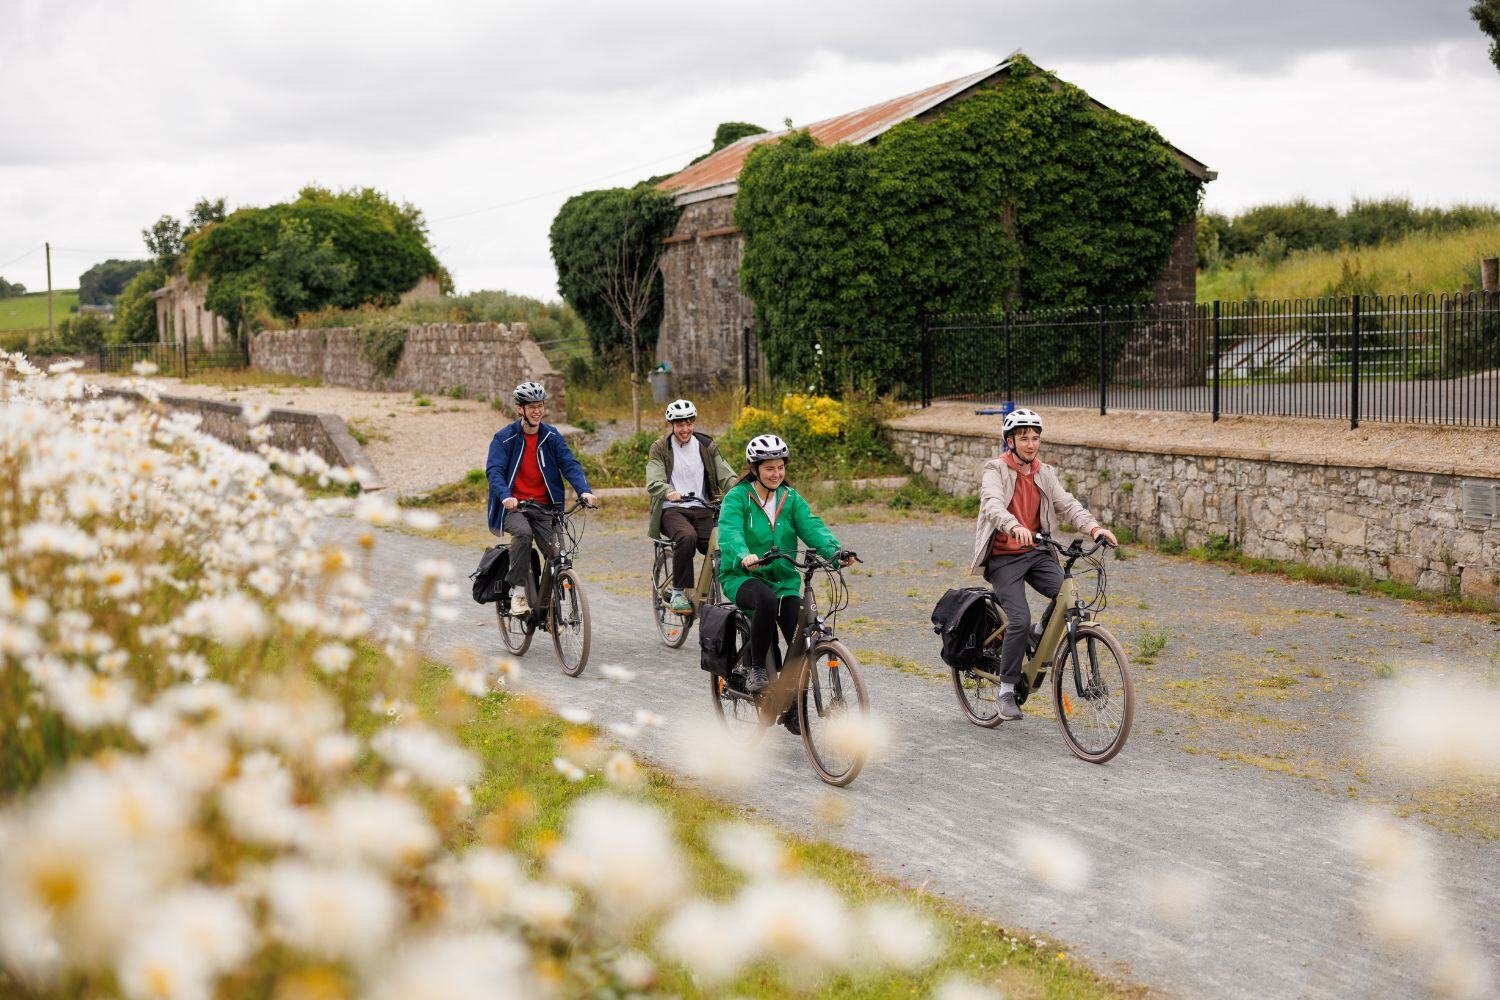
x=759, y=513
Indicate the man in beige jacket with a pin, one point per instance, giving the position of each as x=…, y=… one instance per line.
x=1019, y=496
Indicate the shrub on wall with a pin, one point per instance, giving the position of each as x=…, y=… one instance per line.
x=1024, y=194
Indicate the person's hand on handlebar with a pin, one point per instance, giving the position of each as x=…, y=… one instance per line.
x=1107, y=535
x=673, y=496
x=510, y=503
x=589, y=500
x=750, y=561
x=847, y=557
x=1023, y=534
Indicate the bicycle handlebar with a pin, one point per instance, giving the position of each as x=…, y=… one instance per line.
x=812, y=561
x=1075, y=549
x=543, y=508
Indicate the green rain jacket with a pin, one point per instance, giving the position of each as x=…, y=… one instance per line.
x=744, y=530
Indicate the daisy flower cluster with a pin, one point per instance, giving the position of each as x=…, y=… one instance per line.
x=215, y=779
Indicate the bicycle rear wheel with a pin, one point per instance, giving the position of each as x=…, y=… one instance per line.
x=515, y=630
x=737, y=711
x=674, y=627
x=832, y=710
x=978, y=696
x=568, y=621
x=1094, y=698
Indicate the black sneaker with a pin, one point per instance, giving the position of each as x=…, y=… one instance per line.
x=789, y=720
x=1008, y=708
x=757, y=681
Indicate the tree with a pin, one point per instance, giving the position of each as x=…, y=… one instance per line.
x=164, y=241
x=135, y=309
x=8, y=288
x=101, y=283
x=630, y=285
x=1487, y=14
x=586, y=236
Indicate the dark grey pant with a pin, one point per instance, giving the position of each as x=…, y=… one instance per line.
x=689, y=528
x=1009, y=575
x=523, y=527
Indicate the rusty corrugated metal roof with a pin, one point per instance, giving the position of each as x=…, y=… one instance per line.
x=721, y=170
x=859, y=126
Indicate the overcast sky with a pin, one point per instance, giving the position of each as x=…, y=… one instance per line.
x=487, y=115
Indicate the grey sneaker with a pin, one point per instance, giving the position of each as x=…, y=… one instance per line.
x=519, y=605
x=757, y=681
x=1009, y=711
x=680, y=603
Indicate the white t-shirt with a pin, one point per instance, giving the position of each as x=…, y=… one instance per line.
x=687, y=471
x=768, y=505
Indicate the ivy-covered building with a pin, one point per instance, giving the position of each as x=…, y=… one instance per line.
x=705, y=308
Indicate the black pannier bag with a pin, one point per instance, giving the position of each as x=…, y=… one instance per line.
x=489, y=577
x=958, y=619
x=717, y=638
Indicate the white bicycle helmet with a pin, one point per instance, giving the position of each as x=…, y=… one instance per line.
x=530, y=392
x=1016, y=419
x=766, y=446
x=681, y=409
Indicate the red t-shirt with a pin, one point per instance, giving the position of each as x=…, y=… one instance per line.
x=1025, y=506
x=529, y=484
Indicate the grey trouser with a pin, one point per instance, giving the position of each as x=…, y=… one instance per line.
x=522, y=527
x=1008, y=575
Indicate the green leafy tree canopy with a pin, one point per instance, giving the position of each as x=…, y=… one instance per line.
x=325, y=249
x=1487, y=14
x=599, y=233
x=103, y=282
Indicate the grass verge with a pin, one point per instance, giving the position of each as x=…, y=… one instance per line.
x=524, y=799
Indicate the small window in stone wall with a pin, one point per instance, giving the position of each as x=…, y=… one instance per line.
x=1481, y=501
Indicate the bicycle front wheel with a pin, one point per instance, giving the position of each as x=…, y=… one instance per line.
x=1093, y=694
x=568, y=621
x=515, y=630
x=674, y=627
x=833, y=711
x=737, y=711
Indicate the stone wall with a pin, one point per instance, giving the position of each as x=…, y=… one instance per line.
x=1178, y=281
x=323, y=434
x=704, y=313
x=1405, y=524
x=484, y=360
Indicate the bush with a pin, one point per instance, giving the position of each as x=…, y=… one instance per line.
x=828, y=438
x=135, y=309
x=623, y=463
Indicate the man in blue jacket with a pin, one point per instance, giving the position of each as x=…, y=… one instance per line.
x=528, y=461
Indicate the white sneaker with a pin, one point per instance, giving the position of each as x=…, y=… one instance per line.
x=519, y=605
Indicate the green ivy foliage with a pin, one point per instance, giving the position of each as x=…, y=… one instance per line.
x=326, y=248
x=587, y=237
x=1025, y=194
x=135, y=309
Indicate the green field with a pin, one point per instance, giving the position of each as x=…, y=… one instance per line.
x=29, y=311
x=1422, y=262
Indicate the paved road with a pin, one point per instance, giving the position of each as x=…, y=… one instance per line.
x=941, y=810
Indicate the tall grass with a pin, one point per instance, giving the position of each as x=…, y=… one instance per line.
x=1422, y=262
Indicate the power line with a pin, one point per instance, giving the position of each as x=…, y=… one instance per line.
x=570, y=187
x=28, y=253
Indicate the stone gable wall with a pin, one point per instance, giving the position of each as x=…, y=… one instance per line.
x=1401, y=524
x=484, y=360
x=704, y=314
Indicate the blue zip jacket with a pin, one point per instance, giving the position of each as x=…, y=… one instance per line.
x=552, y=453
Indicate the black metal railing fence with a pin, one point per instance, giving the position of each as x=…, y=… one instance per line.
x=1422, y=358
x=180, y=359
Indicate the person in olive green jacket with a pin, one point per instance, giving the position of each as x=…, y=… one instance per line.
x=684, y=473
x=762, y=512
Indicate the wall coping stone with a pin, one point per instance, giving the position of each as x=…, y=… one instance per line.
x=1201, y=451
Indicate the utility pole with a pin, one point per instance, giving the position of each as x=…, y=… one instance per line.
x=49, y=289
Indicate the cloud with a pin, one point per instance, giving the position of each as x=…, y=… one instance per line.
x=462, y=107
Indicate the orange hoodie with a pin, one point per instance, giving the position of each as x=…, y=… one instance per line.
x=1025, y=506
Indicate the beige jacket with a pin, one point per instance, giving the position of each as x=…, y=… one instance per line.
x=996, y=487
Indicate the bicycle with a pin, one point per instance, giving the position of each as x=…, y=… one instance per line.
x=558, y=602
x=1096, y=701
x=674, y=626
x=818, y=674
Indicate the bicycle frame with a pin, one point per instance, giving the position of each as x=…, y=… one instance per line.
x=1034, y=667
x=811, y=629
x=562, y=560
x=706, y=587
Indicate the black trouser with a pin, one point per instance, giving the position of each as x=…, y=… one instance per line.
x=523, y=526
x=1008, y=575
x=689, y=528
x=766, y=612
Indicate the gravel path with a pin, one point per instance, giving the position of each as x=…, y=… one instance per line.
x=414, y=448
x=1268, y=847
